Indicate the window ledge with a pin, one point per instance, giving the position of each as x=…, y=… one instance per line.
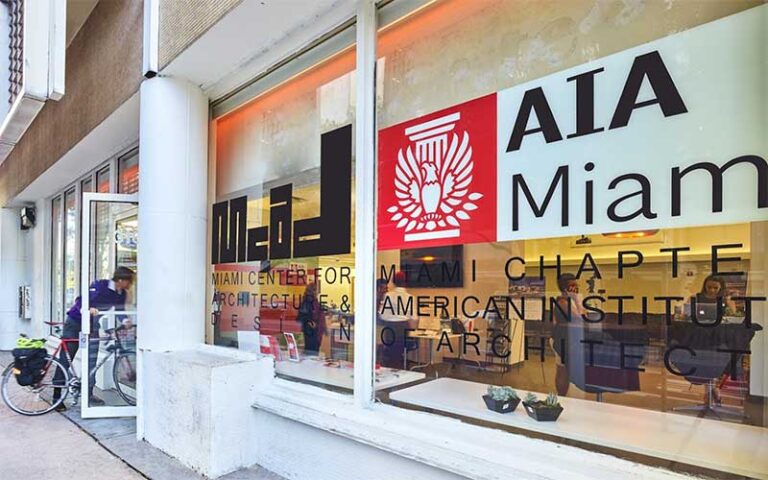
x=445, y=443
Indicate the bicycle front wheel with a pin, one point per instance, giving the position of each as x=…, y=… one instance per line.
x=124, y=374
x=39, y=398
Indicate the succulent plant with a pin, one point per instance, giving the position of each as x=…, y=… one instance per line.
x=502, y=394
x=551, y=400
x=531, y=398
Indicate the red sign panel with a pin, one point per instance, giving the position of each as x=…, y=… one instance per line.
x=437, y=178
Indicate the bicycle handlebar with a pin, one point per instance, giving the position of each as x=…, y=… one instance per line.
x=119, y=329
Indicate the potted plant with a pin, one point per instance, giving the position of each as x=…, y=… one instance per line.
x=543, y=411
x=501, y=399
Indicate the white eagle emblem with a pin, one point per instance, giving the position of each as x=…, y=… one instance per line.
x=432, y=183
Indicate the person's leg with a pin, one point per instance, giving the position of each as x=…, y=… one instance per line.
x=310, y=343
x=309, y=339
x=58, y=378
x=72, y=347
x=562, y=380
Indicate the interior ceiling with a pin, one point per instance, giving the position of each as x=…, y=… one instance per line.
x=77, y=13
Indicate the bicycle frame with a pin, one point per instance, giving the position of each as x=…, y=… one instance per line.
x=57, y=353
x=73, y=376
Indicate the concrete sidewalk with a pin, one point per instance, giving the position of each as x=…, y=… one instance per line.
x=51, y=446
x=63, y=445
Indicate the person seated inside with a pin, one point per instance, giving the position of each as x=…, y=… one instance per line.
x=708, y=306
x=712, y=302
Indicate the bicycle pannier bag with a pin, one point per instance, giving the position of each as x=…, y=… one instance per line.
x=29, y=361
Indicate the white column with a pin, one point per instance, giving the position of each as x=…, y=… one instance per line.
x=172, y=215
x=12, y=276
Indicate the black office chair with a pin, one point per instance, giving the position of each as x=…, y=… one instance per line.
x=597, y=367
x=710, y=362
x=709, y=366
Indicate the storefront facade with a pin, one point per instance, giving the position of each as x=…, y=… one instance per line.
x=545, y=220
x=355, y=218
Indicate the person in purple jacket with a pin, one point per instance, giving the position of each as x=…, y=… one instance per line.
x=103, y=295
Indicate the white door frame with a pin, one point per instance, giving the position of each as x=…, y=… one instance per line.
x=87, y=411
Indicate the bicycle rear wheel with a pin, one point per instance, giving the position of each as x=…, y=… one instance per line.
x=36, y=399
x=124, y=374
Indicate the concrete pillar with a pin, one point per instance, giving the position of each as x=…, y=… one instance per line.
x=13, y=274
x=172, y=215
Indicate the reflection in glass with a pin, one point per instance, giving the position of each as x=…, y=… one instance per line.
x=87, y=185
x=297, y=308
x=102, y=180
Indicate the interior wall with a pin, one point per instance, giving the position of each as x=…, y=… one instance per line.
x=489, y=278
x=487, y=46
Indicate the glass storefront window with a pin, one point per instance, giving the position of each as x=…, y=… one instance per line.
x=570, y=211
x=65, y=236
x=128, y=173
x=87, y=185
x=103, y=181
x=283, y=224
x=57, y=262
x=70, y=247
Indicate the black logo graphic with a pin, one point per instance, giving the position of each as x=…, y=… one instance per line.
x=327, y=234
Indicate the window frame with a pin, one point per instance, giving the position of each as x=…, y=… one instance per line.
x=75, y=186
x=54, y=243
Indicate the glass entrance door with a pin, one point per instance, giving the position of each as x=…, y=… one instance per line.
x=108, y=307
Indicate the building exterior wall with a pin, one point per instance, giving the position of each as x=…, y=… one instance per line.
x=196, y=403
x=103, y=70
x=181, y=23
x=509, y=49
x=281, y=449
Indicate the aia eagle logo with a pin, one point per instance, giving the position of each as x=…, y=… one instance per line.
x=437, y=178
x=433, y=178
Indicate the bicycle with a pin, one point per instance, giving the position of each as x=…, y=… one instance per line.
x=26, y=400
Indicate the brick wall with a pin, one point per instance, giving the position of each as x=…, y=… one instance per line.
x=182, y=22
